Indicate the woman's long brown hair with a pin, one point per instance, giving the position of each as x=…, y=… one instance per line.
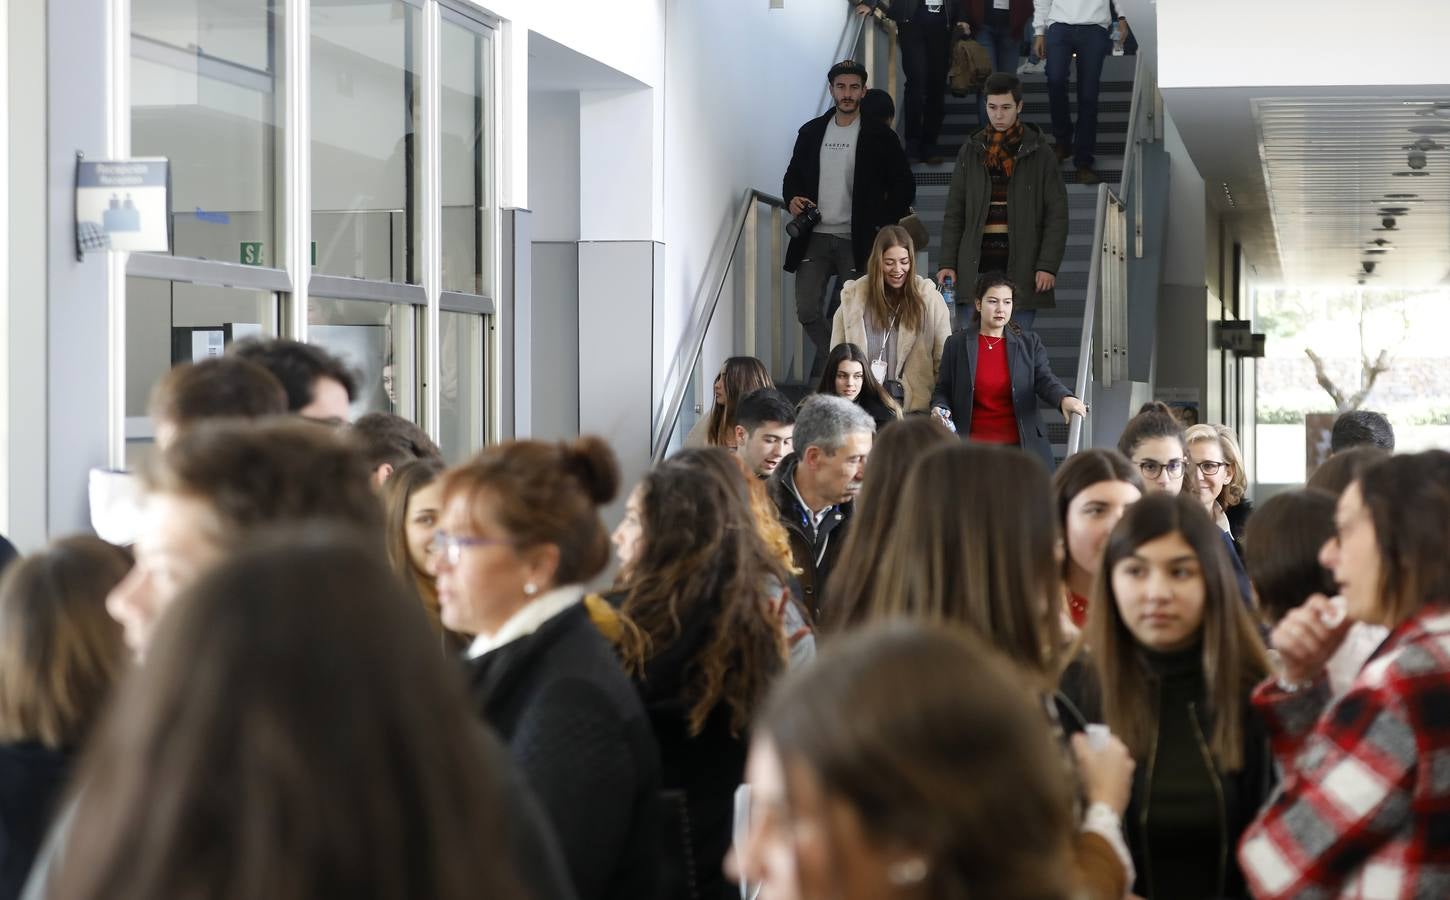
x=974, y=545
x=853, y=584
x=906, y=306
x=294, y=734
x=740, y=375
x=406, y=480
x=701, y=555
x=940, y=747
x=1233, y=653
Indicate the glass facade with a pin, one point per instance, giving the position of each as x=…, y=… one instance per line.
x=209, y=90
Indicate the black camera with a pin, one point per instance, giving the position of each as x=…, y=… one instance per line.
x=802, y=224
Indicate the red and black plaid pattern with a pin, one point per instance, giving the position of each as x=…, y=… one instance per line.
x=1363, y=810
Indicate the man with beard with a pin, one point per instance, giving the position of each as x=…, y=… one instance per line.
x=854, y=173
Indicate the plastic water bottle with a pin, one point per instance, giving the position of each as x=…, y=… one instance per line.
x=949, y=291
x=1119, y=39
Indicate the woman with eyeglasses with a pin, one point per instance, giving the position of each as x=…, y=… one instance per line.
x=1363, y=805
x=1214, y=452
x=1156, y=443
x=521, y=536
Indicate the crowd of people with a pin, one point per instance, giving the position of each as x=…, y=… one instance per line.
x=878, y=643
x=808, y=663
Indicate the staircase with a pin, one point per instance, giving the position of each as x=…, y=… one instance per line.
x=1059, y=328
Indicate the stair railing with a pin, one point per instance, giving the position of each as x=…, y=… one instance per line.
x=1103, y=350
x=741, y=243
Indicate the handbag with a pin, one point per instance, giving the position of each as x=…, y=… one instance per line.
x=895, y=390
x=971, y=64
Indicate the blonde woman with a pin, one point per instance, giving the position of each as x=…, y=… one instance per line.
x=898, y=318
x=1213, y=451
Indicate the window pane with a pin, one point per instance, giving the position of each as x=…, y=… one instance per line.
x=171, y=322
x=206, y=92
x=376, y=340
x=466, y=75
x=462, y=403
x=365, y=155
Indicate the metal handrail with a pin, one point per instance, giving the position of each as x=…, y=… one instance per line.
x=1082, y=387
x=712, y=287
x=677, y=379
x=1130, y=187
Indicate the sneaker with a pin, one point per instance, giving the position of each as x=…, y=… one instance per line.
x=1086, y=175
x=1063, y=152
x=1029, y=67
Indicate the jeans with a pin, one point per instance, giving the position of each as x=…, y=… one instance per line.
x=826, y=255
x=1092, y=44
x=1004, y=52
x=925, y=57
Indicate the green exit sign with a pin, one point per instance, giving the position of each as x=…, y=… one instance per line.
x=252, y=253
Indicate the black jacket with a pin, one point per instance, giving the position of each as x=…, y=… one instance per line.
x=706, y=768
x=1032, y=378
x=32, y=777
x=903, y=10
x=576, y=728
x=1241, y=793
x=806, y=548
x=881, y=193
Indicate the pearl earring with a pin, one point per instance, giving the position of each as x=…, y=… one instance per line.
x=907, y=872
x=530, y=589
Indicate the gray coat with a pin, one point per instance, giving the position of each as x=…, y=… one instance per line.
x=1036, y=217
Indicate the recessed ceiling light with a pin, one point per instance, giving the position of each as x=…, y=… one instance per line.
x=1401, y=196
x=1430, y=129
x=1394, y=210
x=1409, y=174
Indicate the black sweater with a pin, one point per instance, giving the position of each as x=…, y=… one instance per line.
x=707, y=767
x=32, y=777
x=577, y=730
x=1180, y=790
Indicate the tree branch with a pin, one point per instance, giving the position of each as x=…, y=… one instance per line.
x=1372, y=371
x=1322, y=376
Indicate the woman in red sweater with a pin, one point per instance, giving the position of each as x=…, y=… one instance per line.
x=992, y=374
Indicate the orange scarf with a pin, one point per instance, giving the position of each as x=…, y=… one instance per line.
x=1002, y=146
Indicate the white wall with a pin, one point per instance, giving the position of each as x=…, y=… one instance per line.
x=1246, y=43
x=23, y=307
x=727, y=86
x=554, y=165
x=739, y=86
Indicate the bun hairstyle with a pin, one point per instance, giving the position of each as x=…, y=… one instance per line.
x=543, y=492
x=1154, y=420
x=592, y=463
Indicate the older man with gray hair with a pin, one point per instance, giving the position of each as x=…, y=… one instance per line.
x=814, y=487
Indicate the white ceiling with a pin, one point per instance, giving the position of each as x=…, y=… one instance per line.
x=1335, y=167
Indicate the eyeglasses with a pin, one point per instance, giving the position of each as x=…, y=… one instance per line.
x=449, y=547
x=1211, y=466
x=1152, y=468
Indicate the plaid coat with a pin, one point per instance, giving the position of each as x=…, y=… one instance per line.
x=1363, y=810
